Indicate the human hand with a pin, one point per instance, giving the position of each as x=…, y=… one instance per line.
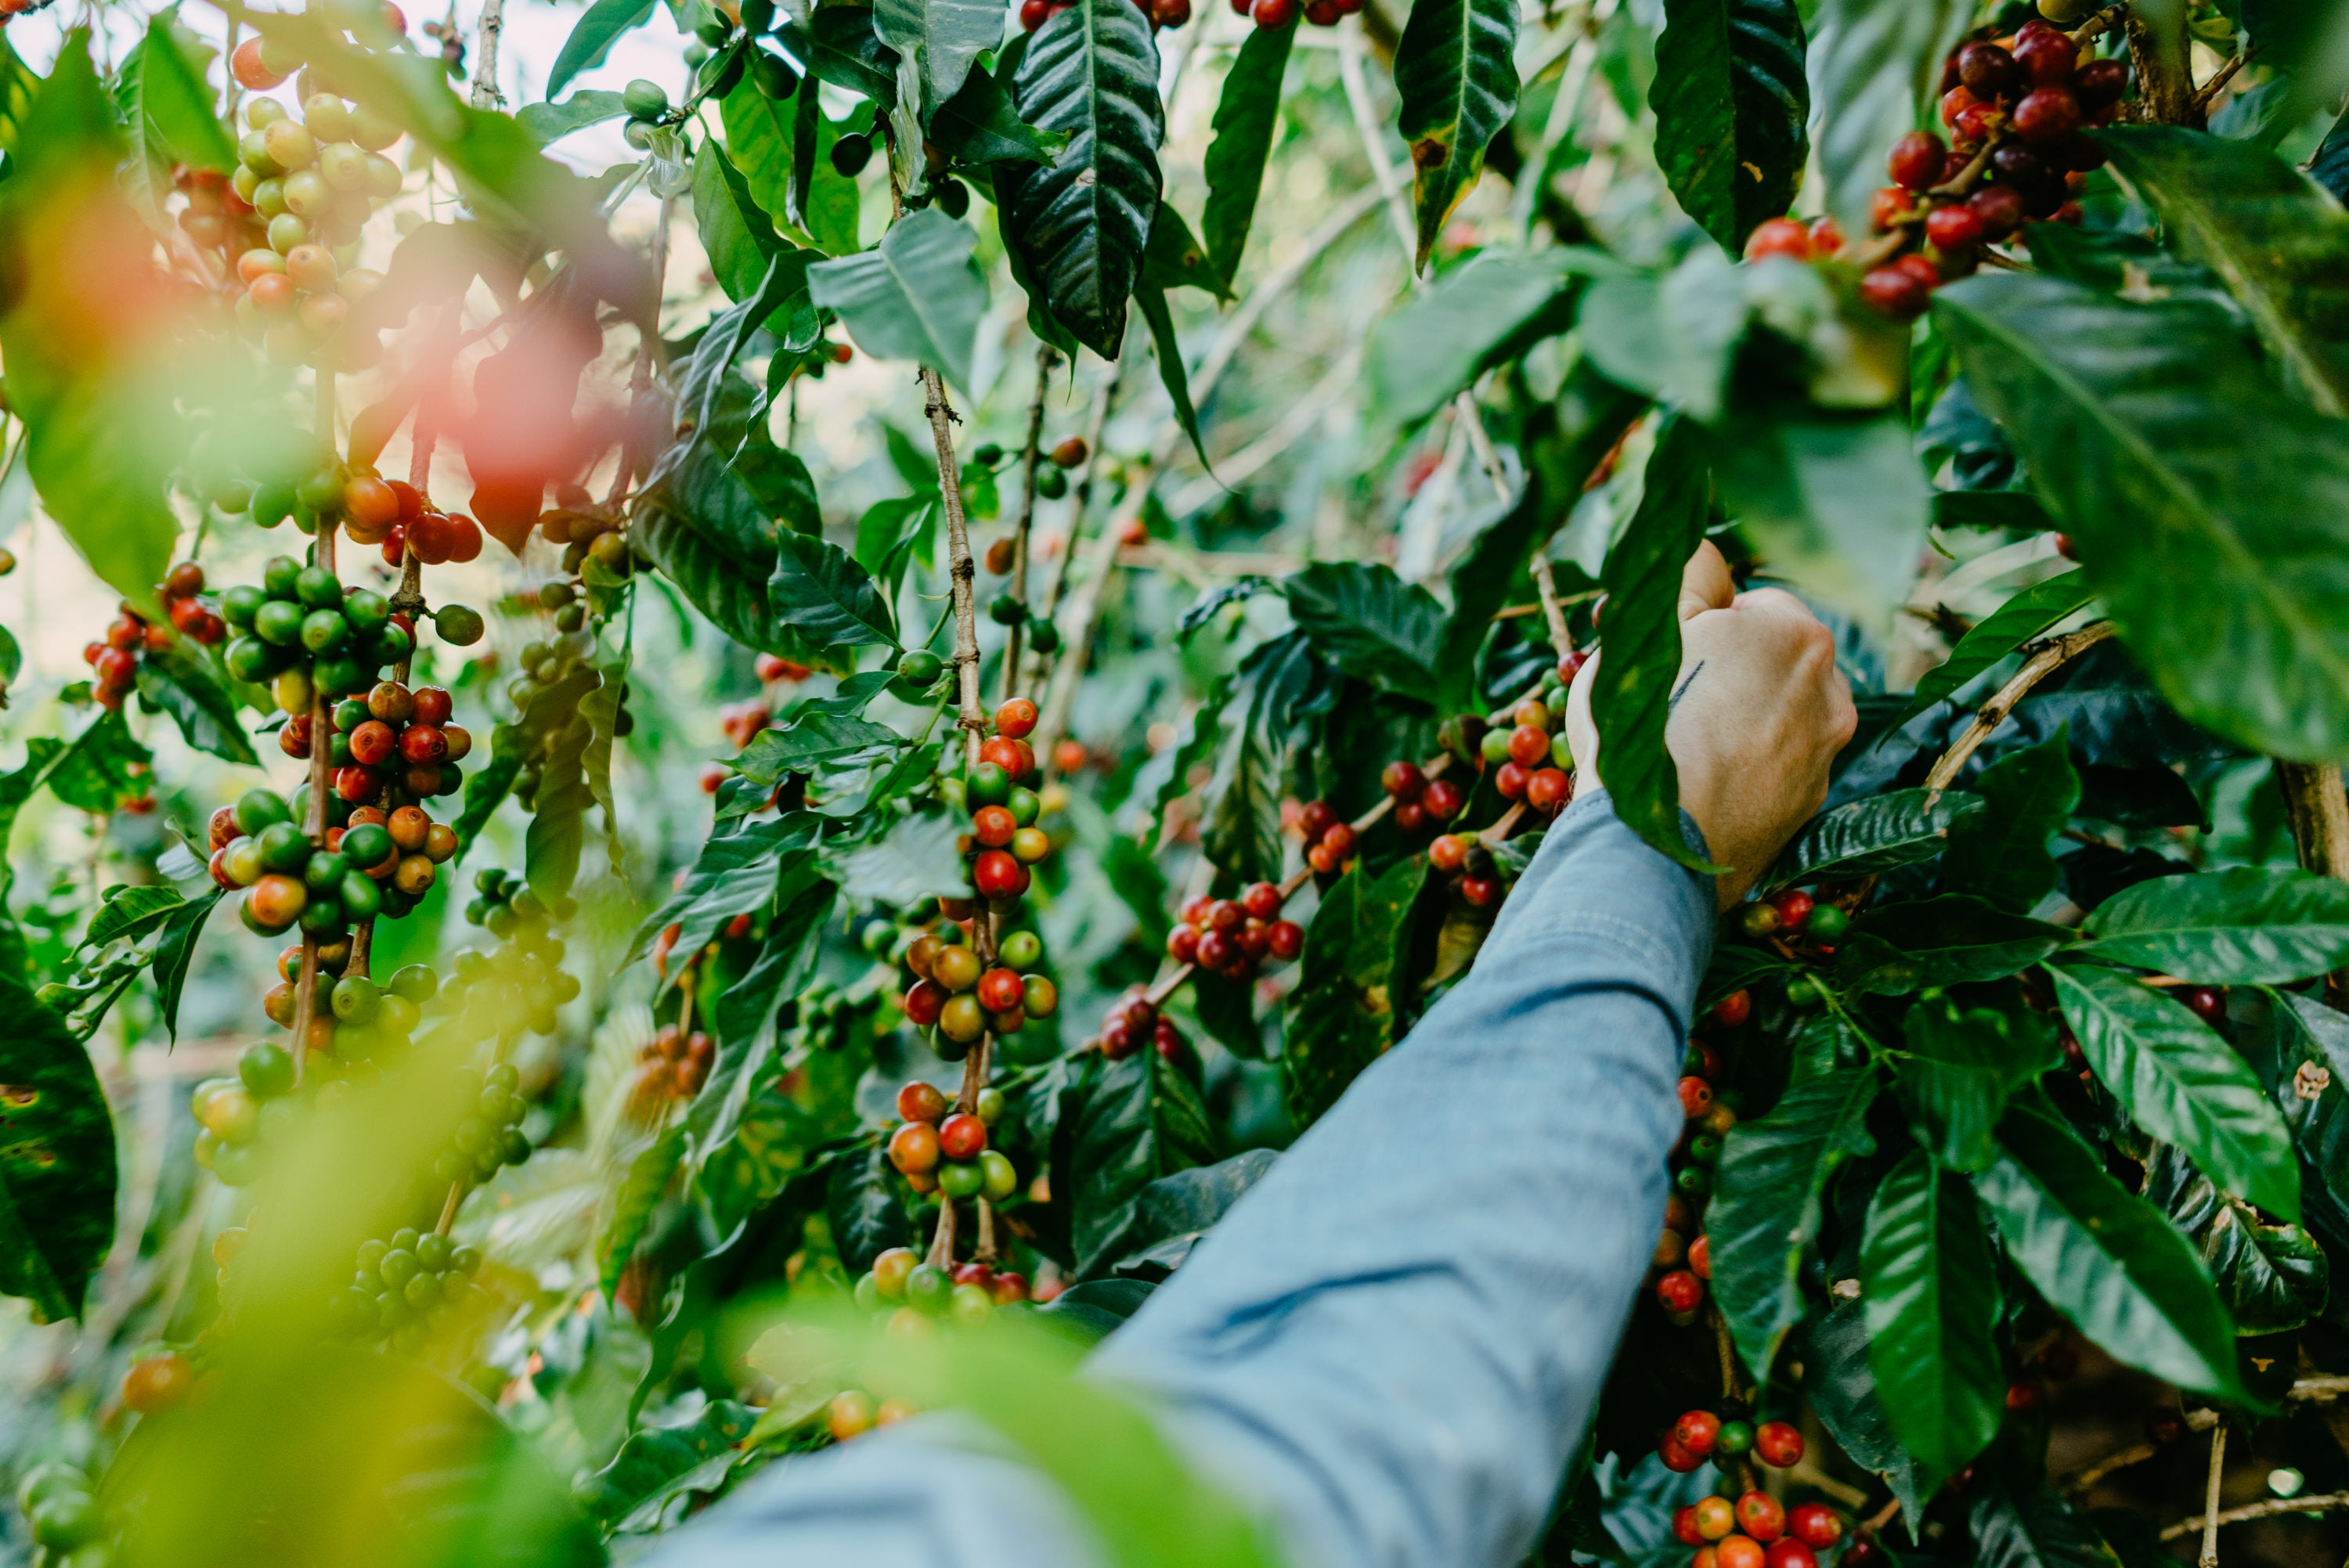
x=1759, y=711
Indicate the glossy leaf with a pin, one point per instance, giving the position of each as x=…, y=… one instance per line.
x=2000, y=852
x=2299, y=1050
x=2277, y=241
x=945, y=37
x=2274, y=1278
x=981, y=125
x=2016, y=1526
x=1869, y=837
x=1765, y=1210
x=1640, y=662
x=2201, y=495
x=1436, y=341
x=1370, y=623
x=763, y=140
x=1945, y=941
x=1928, y=1287
x=1456, y=71
x=175, y=106
x=1080, y=224
x=185, y=682
x=1841, y=1387
x=826, y=596
x=2028, y=614
x=1122, y=1127
x=918, y=295
x=656, y=1465
x=1246, y=114
x=2238, y=927
x=551, y=122
x=2180, y=1082
x=1175, y=1213
x=590, y=38
x=1962, y=1065
x=1730, y=100
x=866, y=1218
x=176, y=951
x=1279, y=686
x=737, y=237
x=1874, y=65
x=1345, y=1012
x=2105, y=1259
x=56, y=1158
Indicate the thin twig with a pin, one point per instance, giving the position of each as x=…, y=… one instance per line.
x=959, y=564
x=1030, y=456
x=2209, y=1558
x=485, y=57
x=1994, y=713
x=2219, y=79
x=2325, y=1503
x=305, y=988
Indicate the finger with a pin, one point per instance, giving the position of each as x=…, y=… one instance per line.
x=1704, y=582
x=1772, y=601
x=1581, y=730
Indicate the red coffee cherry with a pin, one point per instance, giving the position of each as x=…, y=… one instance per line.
x=1815, y=1524
x=1777, y=1444
x=1998, y=210
x=1700, y=1257
x=1015, y=718
x=1761, y=1516
x=1182, y=944
x=1510, y=779
x=2048, y=58
x=1481, y=892
x=1339, y=841
x=1684, y=1526
x=1403, y=781
x=1916, y=162
x=962, y=1136
x=914, y=1149
x=1714, y=1517
x=1790, y=1553
x=1677, y=1458
x=1779, y=237
x=1286, y=938
x=1733, y=1009
x=999, y=990
x=1987, y=70
x=1316, y=819
x=1681, y=1290
x=1697, y=1431
x=1738, y=1552
x=1890, y=291
x=920, y=1102
x=1696, y=1097
x=1442, y=800
x=2207, y=1003
x=2047, y=115
x=1794, y=907
x=1216, y=949
x=1953, y=228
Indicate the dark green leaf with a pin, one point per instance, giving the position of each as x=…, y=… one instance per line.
x=2180, y=1081
x=1246, y=114
x=2201, y=496
x=17, y=85
x=2278, y=242
x=1175, y=1212
x=945, y=37
x=1875, y=66
x=739, y=238
x=866, y=1218
x=918, y=295
x=1370, y=623
x=56, y=1158
x=1080, y=224
x=1121, y=1128
x=981, y=125
x=802, y=744
x=1842, y=1390
x=130, y=913
x=1929, y=1289
x=2274, y=1278
x=1731, y=100
x=762, y=137
x=2033, y=1528
x=1961, y=1067
x=2329, y=168
x=2298, y=1050
x=2021, y=618
x=1869, y=837
x=2233, y=927
x=1280, y=686
x=1437, y=342
x=1766, y=1205
x=658, y=1464
x=1167, y=349
x=1945, y=941
x=843, y=49
x=1345, y=1012
x=2103, y=1258
x=590, y=38
x=184, y=682
x=1837, y=503
x=2016, y=510
x=820, y=591
x=174, y=952
x=2000, y=851
x=1632, y=698
x=551, y=122
x=1456, y=73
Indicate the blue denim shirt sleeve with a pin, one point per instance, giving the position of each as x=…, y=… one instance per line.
x=1392, y=1345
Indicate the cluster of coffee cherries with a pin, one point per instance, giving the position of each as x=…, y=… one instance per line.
x=1133, y=1021
x=233, y=1113
x=401, y=1283
x=958, y=997
x=1683, y=1261
x=1528, y=758
x=300, y=623
x=1797, y=916
x=901, y=1284
x=1421, y=800
x=60, y=1500
x=998, y=791
x=1700, y=1435
x=587, y=531
x=394, y=744
x=1034, y=14
x=1329, y=839
x=1233, y=936
x=1757, y=1530
x=520, y=984
x=114, y=658
x=853, y=1412
x=313, y=181
x=1283, y=13
x=373, y=862
x=940, y=1149
x=434, y=536
x=1475, y=872
x=671, y=1068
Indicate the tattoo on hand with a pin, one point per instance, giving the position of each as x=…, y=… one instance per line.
x=1682, y=690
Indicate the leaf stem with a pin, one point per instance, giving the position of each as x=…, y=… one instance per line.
x=2209, y=1557
x=1992, y=714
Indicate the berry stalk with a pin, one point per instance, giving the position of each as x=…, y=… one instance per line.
x=305, y=989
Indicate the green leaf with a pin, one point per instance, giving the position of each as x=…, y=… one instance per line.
x=2240, y=926
x=2105, y=1259
x=1346, y=1010
x=2274, y=1278
x=1962, y=1065
x=130, y=913
x=1437, y=342
x=551, y=122
x=1842, y=1390
x=647, y=1175
x=809, y=742
x=1874, y=67
x=658, y=1464
x=2021, y=618
x=1945, y=941
x=176, y=951
x=1082, y=223
x=1246, y=114
x=17, y=85
x=1837, y=503
x=1871, y=836
x=981, y=125
x=1167, y=349
x=2298, y=1050
x=918, y=295
x=762, y=137
x=1370, y=623
x=2180, y=1082
x=2000, y=852
x=1174, y=1212
x=1631, y=696
x=826, y=596
x=56, y=1158
x=590, y=38
x=1768, y=1203
x=1456, y=73
x=2276, y=238
x=184, y=680
x=737, y=237
x=2035, y=1528
x=861, y=1203
x=175, y=107
x=946, y=36
x=842, y=48
x=2201, y=496
x=1122, y=1127
x=1730, y=98
x=1929, y=1288
x=1280, y=685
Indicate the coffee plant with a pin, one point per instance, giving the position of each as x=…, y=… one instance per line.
x=907, y=912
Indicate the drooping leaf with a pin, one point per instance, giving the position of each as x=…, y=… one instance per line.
x=981, y=125
x=737, y=237
x=590, y=38
x=656, y=1465
x=946, y=36
x=918, y=295
x=1082, y=223
x=1245, y=113
x=1345, y=1011
x=1961, y=1067
x=2240, y=926
x=1175, y=1213
x=1278, y=687
x=2103, y=1258
x=2000, y=852
x=176, y=951
x=2278, y=242
x=1370, y=623
x=1927, y=1285
x=1765, y=1210
x=2026, y=615
x=1945, y=941
x=1639, y=659
x=174, y=106
x=2180, y=1082
x=763, y=140
x=1869, y=837
x=1456, y=73
x=2274, y=1278
x=56, y=1158
x=867, y=1220
x=1730, y=100
x=182, y=680
x=1167, y=349
x=1841, y=1387
x=2158, y=441
x=1874, y=64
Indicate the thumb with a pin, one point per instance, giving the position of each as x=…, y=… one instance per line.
x=1581, y=730
x=1705, y=584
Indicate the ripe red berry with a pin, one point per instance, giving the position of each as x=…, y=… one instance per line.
x=1409, y=817
x=919, y=1102
x=1987, y=70
x=1447, y=852
x=1216, y=949
x=1714, y=1517
x=914, y=1148
x=1738, y=1552
x=1794, y=907
x=1888, y=207
x=1789, y=1553
x=1510, y=779
x=1482, y=892
x=358, y=785
x=1684, y=1526
x=993, y=826
x=1227, y=914
x=1549, y=789
x=1779, y=237
x=1761, y=1516
x=962, y=1136
x=1015, y=718
x=1955, y=102
x=2047, y=115
x=1815, y=1524
x=1338, y=843
x=1696, y=1097
x=1680, y=1291
x=1895, y=292
x=2099, y=85
x=1677, y=1458
x=1403, y=781
x=1316, y=819
x=1182, y=944
x=1733, y=1009
x=1285, y=938
x=999, y=990
x=1442, y=800
x=1954, y=228
x=1827, y=239
x=1700, y=1257
x=997, y=874
x=1273, y=13
x=1998, y=211
x=1863, y=1552
x=1916, y=162
x=1034, y=14
x=2207, y=1002
x=373, y=743
x=1262, y=900
x=1777, y=1445
x=2049, y=58
x=423, y=743
x=1697, y=1431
